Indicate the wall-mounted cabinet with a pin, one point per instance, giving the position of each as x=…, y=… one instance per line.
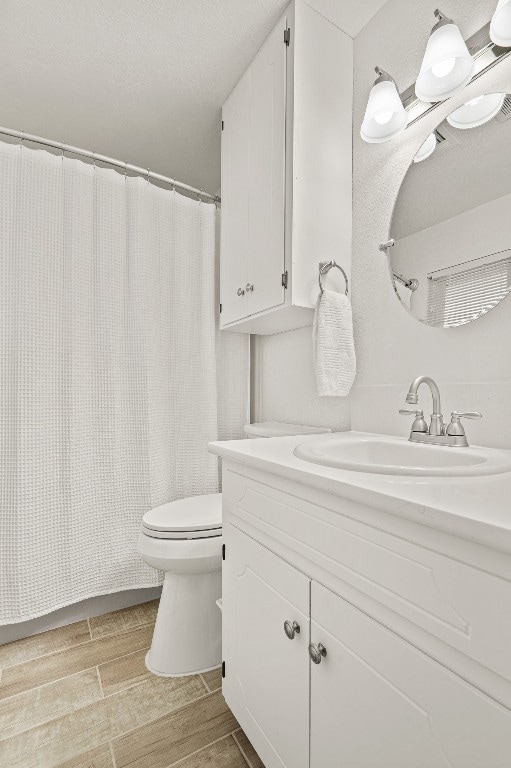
x=286, y=174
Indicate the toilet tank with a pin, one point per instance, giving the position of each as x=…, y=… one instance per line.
x=279, y=429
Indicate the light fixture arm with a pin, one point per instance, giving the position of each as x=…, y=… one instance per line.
x=442, y=20
x=383, y=77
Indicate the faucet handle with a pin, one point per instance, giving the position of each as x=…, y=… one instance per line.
x=455, y=428
x=419, y=425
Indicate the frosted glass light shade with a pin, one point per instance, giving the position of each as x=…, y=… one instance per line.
x=385, y=116
x=426, y=149
x=477, y=111
x=447, y=65
x=500, y=26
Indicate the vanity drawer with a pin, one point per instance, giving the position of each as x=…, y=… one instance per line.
x=458, y=603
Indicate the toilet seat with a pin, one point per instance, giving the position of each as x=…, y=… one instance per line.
x=197, y=517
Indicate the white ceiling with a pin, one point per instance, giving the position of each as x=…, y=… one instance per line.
x=142, y=81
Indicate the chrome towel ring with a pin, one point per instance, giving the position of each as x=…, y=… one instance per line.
x=326, y=266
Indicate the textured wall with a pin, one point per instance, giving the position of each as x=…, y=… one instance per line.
x=472, y=364
x=283, y=386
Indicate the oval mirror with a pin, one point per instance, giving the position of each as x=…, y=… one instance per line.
x=451, y=262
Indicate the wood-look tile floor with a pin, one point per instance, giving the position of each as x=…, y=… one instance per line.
x=81, y=697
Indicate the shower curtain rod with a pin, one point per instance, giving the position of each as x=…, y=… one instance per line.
x=109, y=161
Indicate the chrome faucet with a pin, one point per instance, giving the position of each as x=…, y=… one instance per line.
x=436, y=426
x=437, y=433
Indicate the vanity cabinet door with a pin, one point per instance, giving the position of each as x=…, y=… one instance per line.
x=266, y=680
x=378, y=701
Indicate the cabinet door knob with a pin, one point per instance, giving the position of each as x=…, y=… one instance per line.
x=249, y=287
x=241, y=292
x=317, y=652
x=291, y=628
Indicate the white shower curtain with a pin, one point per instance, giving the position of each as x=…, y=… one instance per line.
x=113, y=375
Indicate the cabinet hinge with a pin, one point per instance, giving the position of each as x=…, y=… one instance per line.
x=223, y=551
x=223, y=668
x=284, y=279
x=220, y=309
x=287, y=36
x=222, y=125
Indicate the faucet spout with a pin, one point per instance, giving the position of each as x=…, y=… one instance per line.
x=437, y=426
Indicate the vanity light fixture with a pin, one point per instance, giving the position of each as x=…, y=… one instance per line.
x=447, y=66
x=385, y=116
x=500, y=26
x=426, y=149
x=477, y=111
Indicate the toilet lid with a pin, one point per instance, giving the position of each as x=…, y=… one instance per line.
x=194, y=517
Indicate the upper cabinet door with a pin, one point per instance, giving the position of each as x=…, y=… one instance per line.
x=267, y=172
x=376, y=700
x=234, y=241
x=253, y=185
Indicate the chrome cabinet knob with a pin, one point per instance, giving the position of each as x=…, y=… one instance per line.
x=317, y=652
x=249, y=287
x=241, y=292
x=291, y=628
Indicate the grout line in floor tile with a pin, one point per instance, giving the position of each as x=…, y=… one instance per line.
x=100, y=683
x=245, y=758
x=123, y=631
x=205, y=683
x=125, y=656
x=197, y=751
x=88, y=625
x=110, y=745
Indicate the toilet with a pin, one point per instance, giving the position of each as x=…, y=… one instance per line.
x=183, y=538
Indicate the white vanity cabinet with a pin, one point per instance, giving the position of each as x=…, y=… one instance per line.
x=409, y=679
x=286, y=174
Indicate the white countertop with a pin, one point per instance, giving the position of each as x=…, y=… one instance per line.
x=474, y=508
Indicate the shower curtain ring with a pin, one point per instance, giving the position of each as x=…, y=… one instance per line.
x=148, y=172
x=21, y=138
x=126, y=169
x=94, y=159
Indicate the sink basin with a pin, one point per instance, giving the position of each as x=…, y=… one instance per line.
x=379, y=454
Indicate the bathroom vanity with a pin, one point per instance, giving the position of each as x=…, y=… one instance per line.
x=366, y=617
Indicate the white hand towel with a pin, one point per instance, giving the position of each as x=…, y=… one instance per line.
x=333, y=346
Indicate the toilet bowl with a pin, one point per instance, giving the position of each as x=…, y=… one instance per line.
x=184, y=539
